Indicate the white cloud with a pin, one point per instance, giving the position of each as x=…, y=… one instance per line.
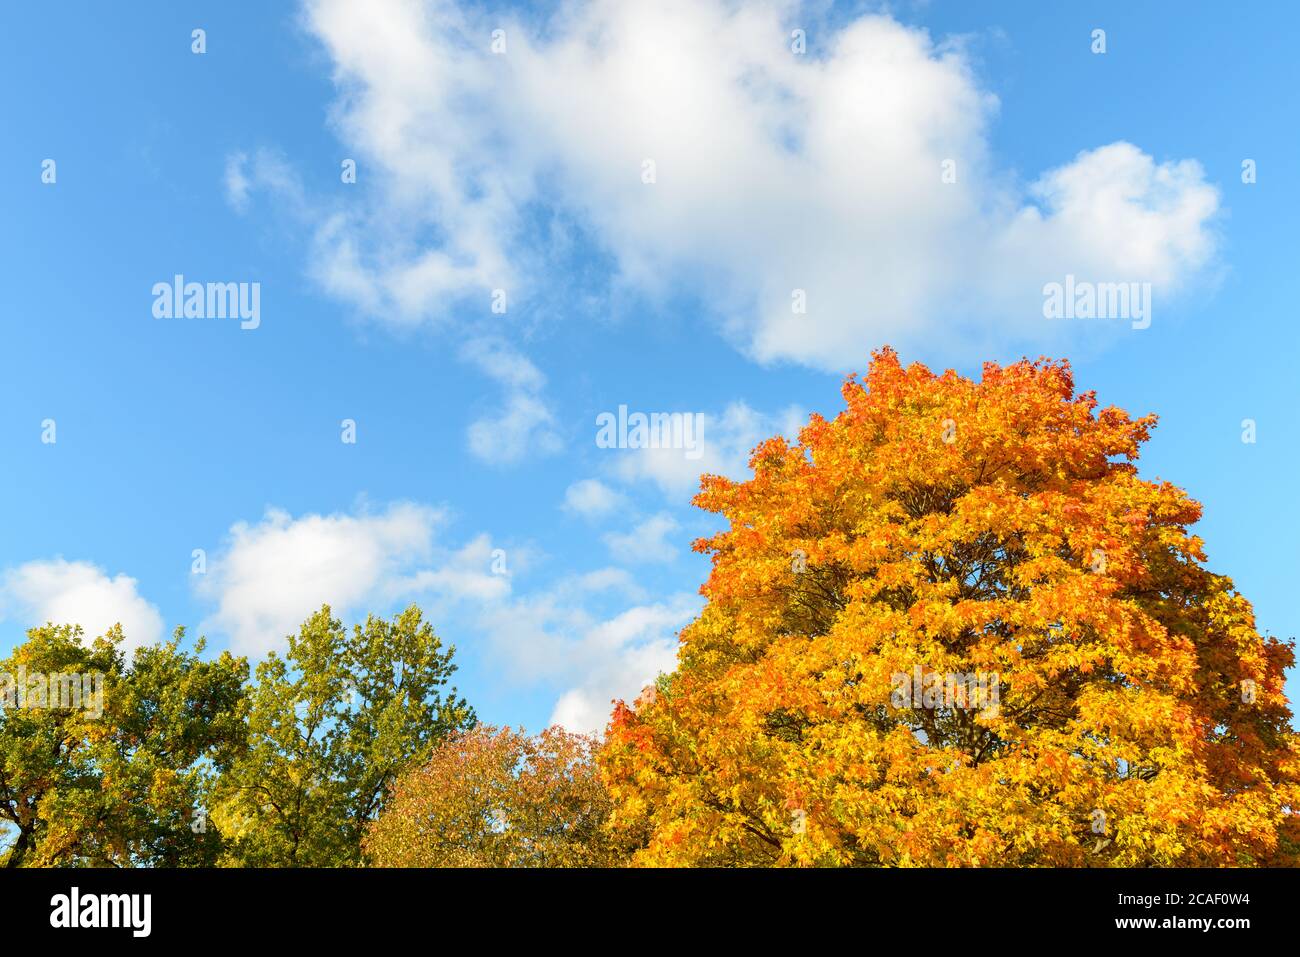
x=1116, y=210
x=609, y=579
x=275, y=573
x=621, y=656
x=647, y=542
x=266, y=171
x=592, y=498
x=525, y=423
x=468, y=575
x=237, y=182
x=727, y=439
x=775, y=173
x=78, y=593
x=545, y=639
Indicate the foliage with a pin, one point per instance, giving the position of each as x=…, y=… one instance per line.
x=331, y=725
x=122, y=787
x=997, y=528
x=498, y=798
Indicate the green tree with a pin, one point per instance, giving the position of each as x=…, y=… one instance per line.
x=120, y=777
x=331, y=725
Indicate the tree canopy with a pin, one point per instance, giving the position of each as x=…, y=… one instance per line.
x=331, y=725
x=117, y=780
x=499, y=798
x=171, y=760
x=953, y=626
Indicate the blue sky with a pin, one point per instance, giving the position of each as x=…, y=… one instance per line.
x=523, y=170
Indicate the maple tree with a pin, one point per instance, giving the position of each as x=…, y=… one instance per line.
x=494, y=797
x=943, y=527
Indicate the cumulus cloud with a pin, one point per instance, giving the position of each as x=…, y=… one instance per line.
x=621, y=656
x=276, y=572
x=804, y=198
x=593, y=660
x=78, y=593
x=273, y=573
x=592, y=498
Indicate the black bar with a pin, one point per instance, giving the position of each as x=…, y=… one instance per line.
x=255, y=907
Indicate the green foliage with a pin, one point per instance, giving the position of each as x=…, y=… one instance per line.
x=331, y=725
x=117, y=781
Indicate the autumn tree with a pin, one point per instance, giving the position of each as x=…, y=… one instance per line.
x=331, y=724
x=119, y=775
x=499, y=798
x=953, y=626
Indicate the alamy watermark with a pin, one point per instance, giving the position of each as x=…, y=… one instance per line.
x=1080, y=299
x=656, y=430
x=179, y=299
x=62, y=691
x=75, y=909
x=953, y=691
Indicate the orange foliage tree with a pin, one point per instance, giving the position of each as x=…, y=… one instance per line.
x=953, y=626
x=494, y=797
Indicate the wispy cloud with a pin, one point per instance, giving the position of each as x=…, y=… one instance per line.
x=727, y=439
x=524, y=423
x=647, y=542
